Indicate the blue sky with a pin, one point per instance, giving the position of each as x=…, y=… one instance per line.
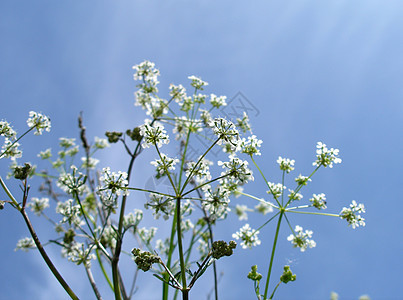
x=326, y=71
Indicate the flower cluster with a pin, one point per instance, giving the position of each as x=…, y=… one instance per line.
x=225, y=130
x=38, y=205
x=39, y=121
x=25, y=244
x=250, y=146
x=160, y=204
x=248, y=236
x=78, y=254
x=164, y=165
x=326, y=157
x=144, y=260
x=276, y=189
x=301, y=239
x=286, y=164
x=319, y=201
x=153, y=134
x=197, y=83
x=7, y=131
x=112, y=184
x=351, y=214
x=218, y=101
x=221, y=248
x=71, y=213
x=237, y=169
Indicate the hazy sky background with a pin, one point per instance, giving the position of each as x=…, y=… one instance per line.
x=327, y=71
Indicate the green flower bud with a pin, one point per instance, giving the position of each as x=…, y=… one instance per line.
x=254, y=275
x=134, y=134
x=144, y=260
x=287, y=275
x=221, y=248
x=113, y=136
x=22, y=172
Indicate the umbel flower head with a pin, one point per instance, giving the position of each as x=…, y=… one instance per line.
x=302, y=239
x=248, y=236
x=326, y=157
x=154, y=134
x=39, y=121
x=351, y=214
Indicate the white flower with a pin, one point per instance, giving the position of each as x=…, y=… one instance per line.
x=302, y=180
x=248, y=236
x=10, y=150
x=91, y=163
x=7, y=131
x=225, y=130
x=301, y=239
x=250, y=146
x=147, y=234
x=237, y=169
x=153, y=135
x=77, y=253
x=201, y=173
x=264, y=208
x=243, y=123
x=38, y=205
x=164, y=164
x=45, y=154
x=218, y=101
x=72, y=182
x=70, y=212
x=39, y=121
x=177, y=92
x=351, y=214
x=131, y=219
x=25, y=244
x=216, y=202
x=319, y=201
x=160, y=204
x=286, y=164
x=146, y=71
x=326, y=157
x=275, y=189
x=115, y=183
x=200, y=98
x=101, y=143
x=206, y=117
x=197, y=83
x=294, y=196
x=241, y=212
x=67, y=142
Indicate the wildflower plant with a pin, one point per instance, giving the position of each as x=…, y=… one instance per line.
x=91, y=204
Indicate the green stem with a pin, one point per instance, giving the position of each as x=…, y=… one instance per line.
x=180, y=246
x=103, y=269
x=196, y=165
x=16, y=141
x=46, y=257
x=170, y=252
x=312, y=213
x=265, y=180
x=272, y=255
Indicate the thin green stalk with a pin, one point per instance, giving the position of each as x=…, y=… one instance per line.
x=101, y=265
x=266, y=290
x=184, y=157
x=180, y=246
x=5, y=188
x=46, y=257
x=312, y=213
x=16, y=141
x=195, y=166
x=265, y=180
x=165, y=287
